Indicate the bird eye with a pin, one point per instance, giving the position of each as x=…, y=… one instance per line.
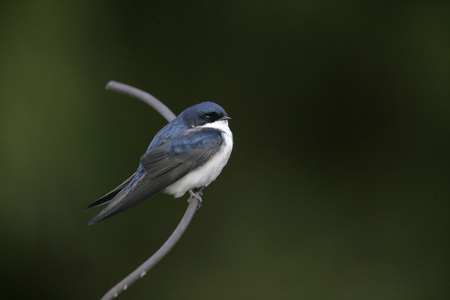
x=210, y=117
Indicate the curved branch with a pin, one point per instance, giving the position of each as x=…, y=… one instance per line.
x=194, y=200
x=143, y=96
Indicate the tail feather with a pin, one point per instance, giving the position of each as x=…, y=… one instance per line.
x=109, y=196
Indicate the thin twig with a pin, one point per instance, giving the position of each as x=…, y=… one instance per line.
x=155, y=258
x=194, y=199
x=143, y=96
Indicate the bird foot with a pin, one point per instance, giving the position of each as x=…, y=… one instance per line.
x=197, y=193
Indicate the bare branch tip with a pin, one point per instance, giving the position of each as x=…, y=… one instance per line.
x=110, y=84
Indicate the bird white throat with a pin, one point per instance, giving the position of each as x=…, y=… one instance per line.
x=204, y=175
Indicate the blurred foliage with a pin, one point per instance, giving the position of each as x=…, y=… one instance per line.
x=338, y=186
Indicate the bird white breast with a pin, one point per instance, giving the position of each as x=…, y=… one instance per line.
x=207, y=173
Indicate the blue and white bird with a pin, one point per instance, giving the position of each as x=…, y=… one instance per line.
x=186, y=154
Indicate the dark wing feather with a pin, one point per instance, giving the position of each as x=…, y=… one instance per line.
x=174, y=159
x=164, y=165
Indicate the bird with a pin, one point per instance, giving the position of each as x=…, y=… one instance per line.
x=185, y=155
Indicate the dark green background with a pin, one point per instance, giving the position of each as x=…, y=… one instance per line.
x=338, y=185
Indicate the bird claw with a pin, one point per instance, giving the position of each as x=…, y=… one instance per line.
x=197, y=193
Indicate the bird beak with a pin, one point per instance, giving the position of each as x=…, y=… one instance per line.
x=225, y=118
